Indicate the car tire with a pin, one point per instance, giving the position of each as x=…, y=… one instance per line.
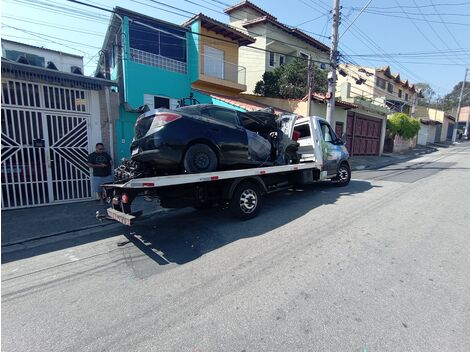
x=246, y=200
x=200, y=158
x=344, y=175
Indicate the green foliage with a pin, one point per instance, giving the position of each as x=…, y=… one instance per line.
x=425, y=97
x=451, y=100
x=290, y=81
x=403, y=125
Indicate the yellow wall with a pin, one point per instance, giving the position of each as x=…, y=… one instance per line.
x=230, y=49
x=300, y=107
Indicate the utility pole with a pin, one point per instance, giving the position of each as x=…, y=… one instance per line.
x=454, y=133
x=309, y=85
x=330, y=108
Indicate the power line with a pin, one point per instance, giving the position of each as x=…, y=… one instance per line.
x=354, y=20
x=423, y=34
x=445, y=25
x=46, y=24
x=415, y=18
x=417, y=6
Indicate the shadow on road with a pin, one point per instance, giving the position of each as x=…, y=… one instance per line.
x=183, y=235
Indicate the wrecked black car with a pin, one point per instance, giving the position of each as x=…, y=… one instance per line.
x=205, y=138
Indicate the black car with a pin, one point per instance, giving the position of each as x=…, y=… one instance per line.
x=205, y=138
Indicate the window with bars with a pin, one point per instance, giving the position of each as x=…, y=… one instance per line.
x=271, y=59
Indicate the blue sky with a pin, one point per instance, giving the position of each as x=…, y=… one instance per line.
x=423, y=40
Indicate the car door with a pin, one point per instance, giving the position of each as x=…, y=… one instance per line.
x=330, y=150
x=226, y=131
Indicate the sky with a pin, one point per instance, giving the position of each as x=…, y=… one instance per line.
x=423, y=40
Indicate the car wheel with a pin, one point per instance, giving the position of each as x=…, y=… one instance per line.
x=200, y=158
x=344, y=175
x=246, y=201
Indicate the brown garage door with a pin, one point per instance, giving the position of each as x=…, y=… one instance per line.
x=363, y=134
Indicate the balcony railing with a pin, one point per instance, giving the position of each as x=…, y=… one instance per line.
x=146, y=58
x=227, y=71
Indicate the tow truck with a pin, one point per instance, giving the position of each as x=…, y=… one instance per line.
x=323, y=156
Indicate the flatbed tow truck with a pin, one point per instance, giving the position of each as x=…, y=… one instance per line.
x=323, y=156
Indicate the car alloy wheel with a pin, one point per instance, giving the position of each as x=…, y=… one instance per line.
x=248, y=201
x=201, y=160
x=343, y=174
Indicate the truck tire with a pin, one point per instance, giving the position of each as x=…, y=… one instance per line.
x=200, y=158
x=246, y=200
x=344, y=175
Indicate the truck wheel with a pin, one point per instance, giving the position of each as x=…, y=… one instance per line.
x=200, y=158
x=344, y=175
x=246, y=201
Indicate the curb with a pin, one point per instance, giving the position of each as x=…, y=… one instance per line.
x=392, y=162
x=63, y=235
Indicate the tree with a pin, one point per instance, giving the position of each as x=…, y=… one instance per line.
x=403, y=125
x=451, y=100
x=290, y=81
x=426, y=94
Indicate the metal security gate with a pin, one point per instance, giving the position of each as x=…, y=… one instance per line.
x=45, y=141
x=363, y=134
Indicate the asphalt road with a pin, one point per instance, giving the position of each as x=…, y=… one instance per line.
x=381, y=265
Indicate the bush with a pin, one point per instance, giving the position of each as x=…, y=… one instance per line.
x=403, y=125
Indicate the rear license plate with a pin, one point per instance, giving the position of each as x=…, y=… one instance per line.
x=121, y=217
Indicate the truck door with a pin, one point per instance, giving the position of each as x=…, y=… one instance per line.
x=330, y=149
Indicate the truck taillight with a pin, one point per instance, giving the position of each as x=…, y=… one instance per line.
x=162, y=118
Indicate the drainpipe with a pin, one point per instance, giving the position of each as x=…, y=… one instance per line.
x=110, y=122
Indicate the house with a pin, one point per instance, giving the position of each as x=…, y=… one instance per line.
x=276, y=43
x=435, y=124
x=165, y=65
x=379, y=85
x=52, y=117
x=464, y=118
x=378, y=93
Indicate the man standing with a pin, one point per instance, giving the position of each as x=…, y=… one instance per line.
x=101, y=163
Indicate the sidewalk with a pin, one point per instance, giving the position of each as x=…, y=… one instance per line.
x=20, y=225
x=375, y=162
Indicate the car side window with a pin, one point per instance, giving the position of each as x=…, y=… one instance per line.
x=327, y=133
x=303, y=130
x=223, y=115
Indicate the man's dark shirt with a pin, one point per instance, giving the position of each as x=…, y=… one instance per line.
x=100, y=158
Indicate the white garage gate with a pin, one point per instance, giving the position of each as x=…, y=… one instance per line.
x=45, y=143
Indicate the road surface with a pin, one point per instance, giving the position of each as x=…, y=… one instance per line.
x=381, y=265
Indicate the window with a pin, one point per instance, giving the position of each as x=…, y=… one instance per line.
x=282, y=60
x=157, y=102
x=303, y=130
x=381, y=83
x=406, y=96
x=221, y=114
x=160, y=102
x=168, y=42
x=271, y=59
x=390, y=88
x=400, y=93
x=327, y=132
x=34, y=60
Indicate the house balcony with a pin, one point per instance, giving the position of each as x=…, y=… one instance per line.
x=221, y=74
